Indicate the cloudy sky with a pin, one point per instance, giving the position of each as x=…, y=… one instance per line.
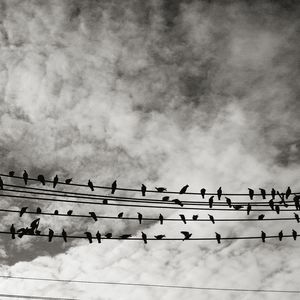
x=160, y=92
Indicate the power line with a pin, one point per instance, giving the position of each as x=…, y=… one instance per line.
x=153, y=285
x=33, y=297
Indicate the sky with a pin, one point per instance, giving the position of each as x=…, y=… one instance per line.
x=160, y=92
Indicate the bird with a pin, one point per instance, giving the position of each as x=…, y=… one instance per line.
x=21, y=232
x=288, y=192
x=277, y=209
x=50, y=235
x=69, y=212
x=161, y=219
x=177, y=201
x=212, y=218
x=35, y=223
x=160, y=236
x=195, y=217
x=114, y=187
x=12, y=231
x=93, y=215
x=23, y=210
x=11, y=173
x=1, y=183
x=186, y=234
x=105, y=201
x=228, y=200
x=297, y=217
x=89, y=236
x=143, y=189
x=56, y=212
x=144, y=237
x=183, y=190
x=120, y=215
x=248, y=208
x=271, y=204
x=41, y=179
x=281, y=196
x=38, y=210
x=263, y=236
x=294, y=232
x=91, y=186
x=273, y=193
x=98, y=236
x=140, y=217
x=108, y=235
x=251, y=193
x=37, y=232
x=211, y=201
x=25, y=177
x=161, y=189
x=280, y=235
x=64, y=235
x=237, y=206
x=263, y=193
x=202, y=192
x=68, y=181
x=165, y=198
x=219, y=193
x=55, y=181
x=218, y=237
x=261, y=217
x=296, y=201
x=183, y=218
x=125, y=236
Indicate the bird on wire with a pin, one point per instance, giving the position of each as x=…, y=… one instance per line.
x=261, y=217
x=288, y=192
x=124, y=236
x=50, y=235
x=183, y=190
x=202, y=192
x=165, y=198
x=1, y=183
x=41, y=178
x=140, y=217
x=228, y=200
x=277, y=209
x=143, y=189
x=98, y=236
x=280, y=235
x=55, y=181
x=64, y=235
x=68, y=180
x=263, y=193
x=11, y=173
x=55, y=212
x=93, y=215
x=161, y=189
x=114, y=187
x=177, y=201
x=38, y=210
x=186, y=234
x=237, y=206
x=23, y=210
x=25, y=177
x=91, y=185
x=195, y=217
x=249, y=207
x=12, y=231
x=69, y=212
x=294, y=233
x=35, y=224
x=273, y=193
x=271, y=204
x=263, y=236
x=144, y=237
x=161, y=219
x=211, y=201
x=183, y=218
x=296, y=201
x=218, y=237
x=89, y=236
x=108, y=235
x=297, y=217
x=219, y=193
x=120, y=215
x=160, y=236
x=212, y=218
x=251, y=193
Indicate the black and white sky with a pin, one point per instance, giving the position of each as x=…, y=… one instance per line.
x=160, y=92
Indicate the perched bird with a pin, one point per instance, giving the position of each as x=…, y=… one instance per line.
x=144, y=237
x=280, y=235
x=160, y=236
x=177, y=201
x=68, y=181
x=125, y=236
x=202, y=191
x=277, y=209
x=114, y=187
x=296, y=201
x=218, y=237
x=23, y=210
x=120, y=215
x=50, y=235
x=183, y=218
x=140, y=217
x=93, y=215
x=105, y=201
x=12, y=231
x=35, y=224
x=143, y=189
x=108, y=235
x=161, y=219
x=38, y=210
x=41, y=179
x=64, y=235
x=55, y=181
x=294, y=232
x=186, y=234
x=161, y=189
x=89, y=236
x=248, y=208
x=98, y=236
x=288, y=192
x=21, y=232
x=69, y=212
x=271, y=204
x=273, y=193
x=165, y=198
x=219, y=193
x=1, y=183
x=237, y=206
x=56, y=212
x=91, y=186
x=281, y=196
x=211, y=201
x=263, y=236
x=251, y=193
x=263, y=193
x=261, y=217
x=228, y=200
x=195, y=217
x=212, y=218
x=11, y=173
x=297, y=217
x=183, y=190
x=25, y=177
x=37, y=232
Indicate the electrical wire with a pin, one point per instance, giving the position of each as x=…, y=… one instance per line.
x=33, y=297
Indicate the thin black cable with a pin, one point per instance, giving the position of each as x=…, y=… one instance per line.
x=32, y=297
x=138, y=190
x=152, y=285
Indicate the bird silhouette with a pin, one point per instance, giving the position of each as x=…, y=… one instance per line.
x=120, y=215
x=161, y=219
x=202, y=192
x=263, y=236
x=273, y=193
x=56, y=212
x=11, y=173
x=25, y=177
x=93, y=215
x=41, y=179
x=50, y=235
x=12, y=231
x=261, y=217
x=294, y=232
x=219, y=193
x=165, y=198
x=144, y=237
x=64, y=235
x=183, y=190
x=212, y=218
x=296, y=201
x=21, y=232
x=105, y=201
x=23, y=210
x=228, y=200
x=251, y=193
x=263, y=193
x=55, y=181
x=35, y=224
x=177, y=201
x=37, y=232
x=143, y=189
x=140, y=217
x=195, y=217
x=186, y=234
x=161, y=189
x=160, y=236
x=271, y=204
x=114, y=187
x=69, y=212
x=288, y=192
x=98, y=236
x=281, y=196
x=38, y=210
x=108, y=235
x=237, y=206
x=89, y=236
x=68, y=181
x=297, y=217
x=125, y=236
x=211, y=201
x=1, y=183
x=91, y=186
x=248, y=208
x=183, y=218
x=280, y=235
x=218, y=237
x=277, y=209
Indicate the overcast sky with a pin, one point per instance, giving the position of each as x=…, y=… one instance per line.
x=160, y=92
